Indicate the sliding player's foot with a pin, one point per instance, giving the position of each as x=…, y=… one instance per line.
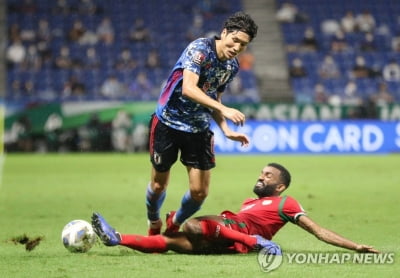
x=106, y=233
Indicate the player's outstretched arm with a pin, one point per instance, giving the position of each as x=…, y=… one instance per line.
x=331, y=237
x=232, y=135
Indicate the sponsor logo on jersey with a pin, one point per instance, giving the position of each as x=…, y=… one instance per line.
x=198, y=58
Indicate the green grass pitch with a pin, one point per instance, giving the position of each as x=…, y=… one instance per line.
x=355, y=196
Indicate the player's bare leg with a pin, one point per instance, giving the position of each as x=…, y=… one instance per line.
x=199, y=181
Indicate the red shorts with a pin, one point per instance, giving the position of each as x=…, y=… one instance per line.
x=233, y=222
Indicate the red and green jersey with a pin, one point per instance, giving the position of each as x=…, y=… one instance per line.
x=264, y=216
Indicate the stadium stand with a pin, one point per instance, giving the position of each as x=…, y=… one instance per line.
x=60, y=50
x=44, y=52
x=369, y=33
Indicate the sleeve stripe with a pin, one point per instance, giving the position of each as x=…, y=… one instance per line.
x=285, y=217
x=296, y=217
x=280, y=211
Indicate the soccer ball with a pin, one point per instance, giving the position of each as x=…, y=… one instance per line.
x=78, y=236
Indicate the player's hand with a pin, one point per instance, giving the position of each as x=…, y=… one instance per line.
x=361, y=248
x=237, y=117
x=240, y=137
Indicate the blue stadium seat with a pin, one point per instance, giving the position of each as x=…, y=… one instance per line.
x=167, y=29
x=385, y=13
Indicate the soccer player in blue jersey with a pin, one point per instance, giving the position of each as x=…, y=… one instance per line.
x=181, y=122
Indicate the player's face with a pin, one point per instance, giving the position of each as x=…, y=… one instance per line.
x=232, y=44
x=267, y=182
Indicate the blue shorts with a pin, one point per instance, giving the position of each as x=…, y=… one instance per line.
x=196, y=149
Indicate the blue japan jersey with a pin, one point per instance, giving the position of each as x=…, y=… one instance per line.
x=200, y=57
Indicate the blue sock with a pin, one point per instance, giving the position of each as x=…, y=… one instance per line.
x=187, y=209
x=154, y=202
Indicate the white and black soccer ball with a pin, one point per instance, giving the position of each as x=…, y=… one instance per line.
x=78, y=236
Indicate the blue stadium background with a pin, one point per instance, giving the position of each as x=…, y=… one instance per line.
x=36, y=78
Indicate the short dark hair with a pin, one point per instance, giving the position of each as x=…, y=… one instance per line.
x=285, y=177
x=241, y=21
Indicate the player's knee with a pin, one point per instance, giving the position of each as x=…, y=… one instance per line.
x=158, y=187
x=199, y=195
